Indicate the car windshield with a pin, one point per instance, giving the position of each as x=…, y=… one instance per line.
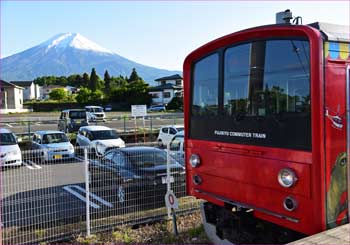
x=179, y=129
x=7, y=139
x=104, y=134
x=54, y=138
x=149, y=159
x=77, y=114
x=95, y=109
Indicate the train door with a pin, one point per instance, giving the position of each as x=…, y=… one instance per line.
x=336, y=196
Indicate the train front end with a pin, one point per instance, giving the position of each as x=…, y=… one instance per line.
x=255, y=133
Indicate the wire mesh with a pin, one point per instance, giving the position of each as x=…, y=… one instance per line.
x=44, y=198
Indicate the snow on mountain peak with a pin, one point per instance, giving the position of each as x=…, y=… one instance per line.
x=73, y=40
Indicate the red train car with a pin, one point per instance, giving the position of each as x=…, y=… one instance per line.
x=266, y=131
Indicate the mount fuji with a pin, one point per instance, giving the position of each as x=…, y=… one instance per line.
x=71, y=53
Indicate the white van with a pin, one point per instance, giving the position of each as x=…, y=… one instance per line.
x=10, y=154
x=177, y=148
x=166, y=134
x=95, y=113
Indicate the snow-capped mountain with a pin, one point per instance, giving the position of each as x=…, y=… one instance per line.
x=72, y=53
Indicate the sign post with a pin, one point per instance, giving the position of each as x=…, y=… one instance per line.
x=138, y=111
x=170, y=199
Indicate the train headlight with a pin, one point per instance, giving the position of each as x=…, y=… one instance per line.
x=195, y=160
x=287, y=177
x=290, y=204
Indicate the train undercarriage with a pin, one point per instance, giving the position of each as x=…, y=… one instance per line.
x=233, y=225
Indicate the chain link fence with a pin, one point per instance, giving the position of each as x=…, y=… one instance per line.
x=56, y=192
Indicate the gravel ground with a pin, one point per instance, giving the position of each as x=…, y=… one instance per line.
x=190, y=230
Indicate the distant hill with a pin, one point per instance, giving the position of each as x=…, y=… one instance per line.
x=71, y=53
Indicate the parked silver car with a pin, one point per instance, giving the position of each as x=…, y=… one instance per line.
x=52, y=145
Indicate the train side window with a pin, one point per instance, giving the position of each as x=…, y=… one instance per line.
x=205, y=86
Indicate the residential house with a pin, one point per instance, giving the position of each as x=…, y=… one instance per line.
x=11, y=97
x=31, y=90
x=46, y=90
x=168, y=88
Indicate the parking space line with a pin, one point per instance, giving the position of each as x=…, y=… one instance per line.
x=36, y=166
x=104, y=202
x=78, y=158
x=79, y=196
x=27, y=165
x=9, y=125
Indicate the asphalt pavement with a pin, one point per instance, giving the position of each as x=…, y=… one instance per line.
x=52, y=194
x=33, y=123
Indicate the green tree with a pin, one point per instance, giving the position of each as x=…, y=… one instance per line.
x=107, y=80
x=134, y=76
x=96, y=96
x=138, y=93
x=58, y=94
x=86, y=80
x=95, y=82
x=83, y=96
x=176, y=104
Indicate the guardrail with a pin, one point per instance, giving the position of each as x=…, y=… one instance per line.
x=54, y=193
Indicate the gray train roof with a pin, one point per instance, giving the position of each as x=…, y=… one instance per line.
x=333, y=32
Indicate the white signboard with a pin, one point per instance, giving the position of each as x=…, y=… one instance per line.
x=138, y=110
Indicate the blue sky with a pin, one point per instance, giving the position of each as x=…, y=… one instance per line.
x=156, y=33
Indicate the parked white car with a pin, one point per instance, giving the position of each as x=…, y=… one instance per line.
x=95, y=113
x=51, y=145
x=99, y=139
x=166, y=134
x=177, y=147
x=10, y=154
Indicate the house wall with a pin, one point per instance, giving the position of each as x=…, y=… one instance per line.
x=29, y=92
x=166, y=100
x=13, y=98
x=3, y=99
x=174, y=82
x=158, y=99
x=37, y=91
x=18, y=98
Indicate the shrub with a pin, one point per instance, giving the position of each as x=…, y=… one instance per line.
x=175, y=104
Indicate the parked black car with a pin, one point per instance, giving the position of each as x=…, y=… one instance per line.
x=136, y=176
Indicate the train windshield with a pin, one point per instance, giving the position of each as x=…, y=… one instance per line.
x=255, y=93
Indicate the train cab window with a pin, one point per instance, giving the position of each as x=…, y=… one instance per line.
x=205, y=86
x=265, y=98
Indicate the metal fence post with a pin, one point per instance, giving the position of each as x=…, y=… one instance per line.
x=29, y=130
x=87, y=192
x=168, y=175
x=151, y=125
x=124, y=123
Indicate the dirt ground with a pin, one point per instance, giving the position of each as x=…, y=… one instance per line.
x=189, y=226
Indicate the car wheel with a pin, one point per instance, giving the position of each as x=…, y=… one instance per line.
x=160, y=143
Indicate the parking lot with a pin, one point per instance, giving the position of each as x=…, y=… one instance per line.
x=39, y=198
x=44, y=196
x=122, y=123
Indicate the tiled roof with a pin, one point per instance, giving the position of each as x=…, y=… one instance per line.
x=22, y=83
x=165, y=86
x=172, y=77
